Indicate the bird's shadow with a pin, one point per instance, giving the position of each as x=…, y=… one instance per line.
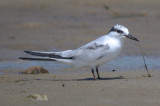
x=90, y=79
x=86, y=79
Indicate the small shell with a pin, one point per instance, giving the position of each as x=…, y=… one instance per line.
x=38, y=97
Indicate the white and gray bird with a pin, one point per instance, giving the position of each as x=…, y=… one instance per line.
x=94, y=54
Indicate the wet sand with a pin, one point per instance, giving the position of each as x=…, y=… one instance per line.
x=59, y=25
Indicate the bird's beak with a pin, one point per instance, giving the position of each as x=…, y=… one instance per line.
x=131, y=37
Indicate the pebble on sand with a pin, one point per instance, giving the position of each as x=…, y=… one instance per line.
x=35, y=70
x=38, y=97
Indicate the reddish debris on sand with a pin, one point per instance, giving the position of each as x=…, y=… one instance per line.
x=35, y=70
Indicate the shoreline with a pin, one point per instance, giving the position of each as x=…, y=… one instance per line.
x=128, y=63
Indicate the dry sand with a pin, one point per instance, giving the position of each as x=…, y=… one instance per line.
x=115, y=89
x=68, y=24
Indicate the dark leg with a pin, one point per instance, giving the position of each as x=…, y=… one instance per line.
x=97, y=73
x=93, y=73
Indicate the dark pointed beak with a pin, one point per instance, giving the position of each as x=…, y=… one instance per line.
x=131, y=37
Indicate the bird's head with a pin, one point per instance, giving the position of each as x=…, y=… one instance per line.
x=120, y=31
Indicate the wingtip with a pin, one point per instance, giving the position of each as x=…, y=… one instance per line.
x=27, y=58
x=38, y=59
x=22, y=58
x=27, y=51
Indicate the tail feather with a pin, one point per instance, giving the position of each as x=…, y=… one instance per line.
x=38, y=53
x=37, y=58
x=47, y=54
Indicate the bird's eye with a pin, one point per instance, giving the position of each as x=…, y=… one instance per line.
x=119, y=31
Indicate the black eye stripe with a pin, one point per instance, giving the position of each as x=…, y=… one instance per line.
x=116, y=30
x=119, y=31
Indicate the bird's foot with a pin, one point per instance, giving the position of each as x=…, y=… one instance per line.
x=99, y=78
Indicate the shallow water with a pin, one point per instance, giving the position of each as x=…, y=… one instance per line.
x=134, y=63
x=38, y=25
x=126, y=63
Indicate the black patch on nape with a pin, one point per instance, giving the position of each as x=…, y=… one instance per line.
x=94, y=46
x=112, y=29
x=116, y=30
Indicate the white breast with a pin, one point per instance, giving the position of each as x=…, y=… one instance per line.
x=115, y=47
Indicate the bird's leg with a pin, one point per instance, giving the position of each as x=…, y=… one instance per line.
x=93, y=73
x=97, y=73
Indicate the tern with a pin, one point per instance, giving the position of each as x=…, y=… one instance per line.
x=93, y=54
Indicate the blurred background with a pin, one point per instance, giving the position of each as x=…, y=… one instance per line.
x=56, y=25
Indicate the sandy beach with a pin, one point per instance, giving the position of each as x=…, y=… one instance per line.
x=115, y=89
x=55, y=25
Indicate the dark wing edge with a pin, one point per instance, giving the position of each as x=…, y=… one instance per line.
x=36, y=58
